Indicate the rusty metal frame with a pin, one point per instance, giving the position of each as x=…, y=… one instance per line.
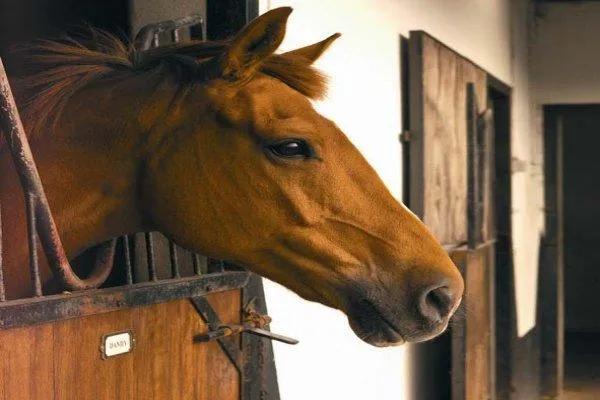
x=39, y=216
x=31, y=311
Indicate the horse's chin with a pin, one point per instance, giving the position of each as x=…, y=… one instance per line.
x=379, y=333
x=376, y=334
x=373, y=327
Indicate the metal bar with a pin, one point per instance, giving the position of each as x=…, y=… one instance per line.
x=127, y=257
x=12, y=127
x=270, y=335
x=150, y=254
x=472, y=167
x=197, y=264
x=35, y=311
x=230, y=330
x=34, y=265
x=219, y=333
x=227, y=344
x=213, y=265
x=2, y=290
x=174, y=260
x=148, y=36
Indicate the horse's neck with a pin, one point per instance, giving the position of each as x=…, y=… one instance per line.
x=89, y=168
x=100, y=145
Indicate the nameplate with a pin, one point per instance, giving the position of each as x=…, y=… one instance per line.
x=117, y=343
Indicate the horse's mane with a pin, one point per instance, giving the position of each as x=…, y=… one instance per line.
x=52, y=71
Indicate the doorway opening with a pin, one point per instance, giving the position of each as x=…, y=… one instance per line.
x=571, y=359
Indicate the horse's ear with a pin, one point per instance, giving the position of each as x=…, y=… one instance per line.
x=256, y=41
x=313, y=52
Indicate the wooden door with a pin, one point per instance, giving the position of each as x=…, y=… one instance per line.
x=451, y=190
x=64, y=359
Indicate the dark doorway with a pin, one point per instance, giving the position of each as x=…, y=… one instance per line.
x=499, y=102
x=573, y=132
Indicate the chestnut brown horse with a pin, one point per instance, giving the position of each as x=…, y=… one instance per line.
x=217, y=146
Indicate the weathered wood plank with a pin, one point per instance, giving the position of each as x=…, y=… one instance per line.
x=174, y=367
x=439, y=194
x=223, y=377
x=479, y=327
x=63, y=360
x=79, y=370
x=444, y=79
x=27, y=367
x=472, y=335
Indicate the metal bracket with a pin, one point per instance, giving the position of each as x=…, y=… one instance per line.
x=405, y=136
x=253, y=323
x=209, y=315
x=148, y=36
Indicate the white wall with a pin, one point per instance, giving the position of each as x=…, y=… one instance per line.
x=364, y=100
x=567, y=53
x=527, y=170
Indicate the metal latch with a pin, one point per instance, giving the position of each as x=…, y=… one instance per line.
x=405, y=136
x=253, y=323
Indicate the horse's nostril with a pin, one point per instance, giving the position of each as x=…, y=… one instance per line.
x=437, y=303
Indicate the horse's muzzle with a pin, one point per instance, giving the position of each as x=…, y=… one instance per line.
x=375, y=320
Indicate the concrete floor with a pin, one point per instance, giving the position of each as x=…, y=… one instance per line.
x=582, y=366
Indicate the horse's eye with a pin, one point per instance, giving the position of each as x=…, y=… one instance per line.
x=292, y=148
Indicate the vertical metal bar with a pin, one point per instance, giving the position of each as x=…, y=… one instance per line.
x=472, y=167
x=2, y=292
x=150, y=254
x=175, y=35
x=12, y=128
x=174, y=260
x=197, y=264
x=34, y=266
x=127, y=256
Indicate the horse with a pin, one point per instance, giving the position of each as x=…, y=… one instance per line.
x=217, y=146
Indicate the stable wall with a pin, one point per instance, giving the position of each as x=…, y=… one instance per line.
x=364, y=100
x=566, y=66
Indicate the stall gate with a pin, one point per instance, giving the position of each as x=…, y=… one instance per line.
x=167, y=324
x=451, y=148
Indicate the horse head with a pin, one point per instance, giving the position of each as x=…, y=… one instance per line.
x=245, y=169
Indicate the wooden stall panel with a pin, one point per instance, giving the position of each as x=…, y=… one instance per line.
x=472, y=334
x=451, y=189
x=169, y=365
x=80, y=371
x=479, y=327
x=27, y=367
x=224, y=379
x=64, y=361
x=441, y=135
x=445, y=179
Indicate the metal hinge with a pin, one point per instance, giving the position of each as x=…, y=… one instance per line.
x=405, y=136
